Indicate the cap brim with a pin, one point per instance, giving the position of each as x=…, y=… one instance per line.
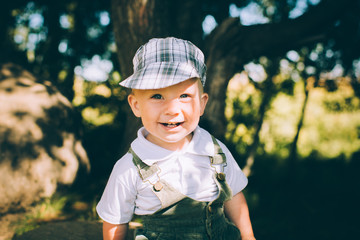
x=160, y=75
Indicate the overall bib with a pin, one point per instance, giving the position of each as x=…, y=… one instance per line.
x=181, y=217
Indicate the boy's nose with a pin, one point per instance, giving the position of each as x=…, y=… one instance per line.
x=172, y=107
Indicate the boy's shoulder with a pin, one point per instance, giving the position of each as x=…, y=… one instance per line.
x=207, y=138
x=124, y=164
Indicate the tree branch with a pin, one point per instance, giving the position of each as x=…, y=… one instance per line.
x=232, y=45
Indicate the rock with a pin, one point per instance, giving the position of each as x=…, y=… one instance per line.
x=39, y=140
x=72, y=230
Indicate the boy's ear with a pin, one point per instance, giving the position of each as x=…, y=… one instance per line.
x=134, y=104
x=203, y=101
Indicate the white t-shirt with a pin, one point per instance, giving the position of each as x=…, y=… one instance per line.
x=188, y=170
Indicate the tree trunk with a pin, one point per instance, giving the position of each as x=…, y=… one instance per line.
x=214, y=117
x=135, y=22
x=293, y=146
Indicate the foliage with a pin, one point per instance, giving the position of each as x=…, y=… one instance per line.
x=101, y=107
x=331, y=127
x=54, y=38
x=98, y=102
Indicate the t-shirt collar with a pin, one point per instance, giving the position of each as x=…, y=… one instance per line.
x=200, y=144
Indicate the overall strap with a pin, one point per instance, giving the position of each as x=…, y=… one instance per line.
x=220, y=177
x=145, y=171
x=219, y=155
x=167, y=194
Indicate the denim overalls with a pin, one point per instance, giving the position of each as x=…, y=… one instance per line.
x=181, y=217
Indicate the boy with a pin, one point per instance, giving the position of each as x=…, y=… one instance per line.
x=180, y=179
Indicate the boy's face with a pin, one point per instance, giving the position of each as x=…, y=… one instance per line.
x=170, y=114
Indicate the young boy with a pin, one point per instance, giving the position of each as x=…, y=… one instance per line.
x=180, y=179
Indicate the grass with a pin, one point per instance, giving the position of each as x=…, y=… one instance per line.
x=60, y=207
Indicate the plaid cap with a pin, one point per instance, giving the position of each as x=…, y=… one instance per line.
x=163, y=62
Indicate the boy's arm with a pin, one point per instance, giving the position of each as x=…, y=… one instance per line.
x=114, y=231
x=236, y=209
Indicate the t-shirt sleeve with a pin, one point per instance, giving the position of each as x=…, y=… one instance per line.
x=235, y=177
x=117, y=202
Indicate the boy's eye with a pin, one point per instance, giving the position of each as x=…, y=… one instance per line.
x=156, y=96
x=184, y=95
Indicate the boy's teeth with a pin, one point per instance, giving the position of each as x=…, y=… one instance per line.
x=171, y=124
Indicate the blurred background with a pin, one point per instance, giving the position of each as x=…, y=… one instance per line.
x=284, y=86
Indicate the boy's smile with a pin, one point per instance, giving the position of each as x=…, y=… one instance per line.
x=171, y=125
x=170, y=114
